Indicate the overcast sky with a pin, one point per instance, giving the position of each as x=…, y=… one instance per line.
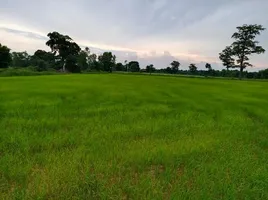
x=150, y=31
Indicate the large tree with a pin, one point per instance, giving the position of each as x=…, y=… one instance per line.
x=246, y=45
x=175, y=67
x=5, y=57
x=63, y=46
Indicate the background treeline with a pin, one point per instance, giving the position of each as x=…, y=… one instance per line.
x=67, y=56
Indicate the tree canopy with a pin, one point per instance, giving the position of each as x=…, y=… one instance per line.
x=134, y=66
x=107, y=61
x=175, y=66
x=243, y=46
x=150, y=68
x=5, y=57
x=64, y=46
x=192, y=68
x=226, y=57
x=67, y=56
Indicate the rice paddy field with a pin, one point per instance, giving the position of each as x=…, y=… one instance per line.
x=112, y=136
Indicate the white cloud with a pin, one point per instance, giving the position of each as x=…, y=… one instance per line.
x=191, y=31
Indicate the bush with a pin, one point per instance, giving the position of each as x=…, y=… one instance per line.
x=29, y=71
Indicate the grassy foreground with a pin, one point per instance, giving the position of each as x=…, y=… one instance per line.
x=132, y=137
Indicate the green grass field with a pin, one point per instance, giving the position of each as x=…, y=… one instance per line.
x=108, y=136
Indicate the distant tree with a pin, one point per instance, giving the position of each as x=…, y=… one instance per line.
x=20, y=59
x=119, y=67
x=92, y=58
x=83, y=59
x=43, y=60
x=246, y=45
x=150, y=68
x=192, y=68
x=175, y=67
x=107, y=61
x=93, y=63
x=126, y=65
x=226, y=57
x=263, y=74
x=63, y=46
x=134, y=66
x=168, y=70
x=5, y=57
x=209, y=68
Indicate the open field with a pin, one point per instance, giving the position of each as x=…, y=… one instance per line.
x=133, y=137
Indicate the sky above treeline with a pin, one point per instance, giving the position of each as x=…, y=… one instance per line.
x=150, y=31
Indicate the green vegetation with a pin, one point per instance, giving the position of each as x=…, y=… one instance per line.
x=67, y=56
x=27, y=71
x=244, y=46
x=114, y=136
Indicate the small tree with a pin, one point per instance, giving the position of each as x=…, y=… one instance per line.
x=83, y=59
x=134, y=66
x=119, y=67
x=150, y=68
x=168, y=70
x=209, y=68
x=192, y=68
x=107, y=61
x=175, y=67
x=43, y=60
x=226, y=57
x=20, y=59
x=126, y=65
x=5, y=57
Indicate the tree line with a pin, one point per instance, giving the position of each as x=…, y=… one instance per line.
x=67, y=56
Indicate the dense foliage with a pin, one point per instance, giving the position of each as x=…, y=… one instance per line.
x=67, y=56
x=5, y=57
x=243, y=46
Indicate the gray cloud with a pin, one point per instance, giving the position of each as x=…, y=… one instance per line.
x=151, y=31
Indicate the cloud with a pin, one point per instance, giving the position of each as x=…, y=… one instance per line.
x=151, y=31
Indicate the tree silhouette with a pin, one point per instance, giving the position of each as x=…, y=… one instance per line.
x=192, y=68
x=107, y=61
x=226, y=57
x=5, y=57
x=134, y=66
x=150, y=68
x=244, y=46
x=175, y=67
x=63, y=46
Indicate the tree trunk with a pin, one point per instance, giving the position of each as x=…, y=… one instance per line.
x=64, y=68
x=241, y=73
x=241, y=68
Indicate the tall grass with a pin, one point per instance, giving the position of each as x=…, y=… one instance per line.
x=132, y=137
